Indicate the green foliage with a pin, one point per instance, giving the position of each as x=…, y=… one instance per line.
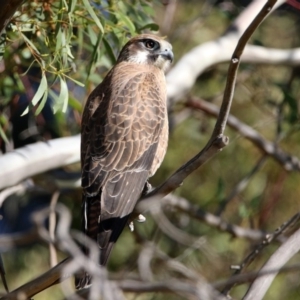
x=68, y=40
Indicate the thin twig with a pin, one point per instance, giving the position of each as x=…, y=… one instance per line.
x=49, y=278
x=267, y=240
x=11, y=241
x=19, y=188
x=52, y=223
x=242, y=184
x=187, y=289
x=168, y=16
x=233, y=67
x=282, y=255
x=167, y=227
x=250, y=276
x=65, y=242
x=213, y=220
x=2, y=272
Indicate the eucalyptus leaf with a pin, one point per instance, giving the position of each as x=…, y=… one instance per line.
x=93, y=15
x=94, y=54
x=39, y=93
x=127, y=22
x=109, y=51
x=32, y=46
x=64, y=94
x=42, y=103
x=72, y=5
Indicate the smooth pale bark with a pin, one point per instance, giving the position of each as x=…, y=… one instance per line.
x=37, y=158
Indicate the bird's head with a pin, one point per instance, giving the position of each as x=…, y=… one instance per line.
x=148, y=49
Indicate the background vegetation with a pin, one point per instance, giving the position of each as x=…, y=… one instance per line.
x=66, y=47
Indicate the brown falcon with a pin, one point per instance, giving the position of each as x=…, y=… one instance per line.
x=124, y=139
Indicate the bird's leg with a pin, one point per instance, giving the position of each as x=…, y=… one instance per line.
x=134, y=217
x=147, y=189
x=131, y=225
x=140, y=218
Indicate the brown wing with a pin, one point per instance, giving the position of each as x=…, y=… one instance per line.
x=122, y=123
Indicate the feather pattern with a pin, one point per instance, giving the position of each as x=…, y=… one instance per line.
x=124, y=139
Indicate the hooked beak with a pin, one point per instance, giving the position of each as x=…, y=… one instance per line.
x=167, y=54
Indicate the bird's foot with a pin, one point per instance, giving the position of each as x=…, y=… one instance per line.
x=140, y=218
x=131, y=226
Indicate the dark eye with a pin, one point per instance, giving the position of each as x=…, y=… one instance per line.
x=150, y=44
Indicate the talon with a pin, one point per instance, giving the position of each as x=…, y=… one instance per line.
x=131, y=226
x=147, y=188
x=141, y=218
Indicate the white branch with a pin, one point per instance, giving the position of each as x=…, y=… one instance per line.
x=38, y=158
x=262, y=55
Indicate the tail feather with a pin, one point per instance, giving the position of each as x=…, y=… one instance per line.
x=109, y=232
x=90, y=213
x=105, y=234
x=82, y=280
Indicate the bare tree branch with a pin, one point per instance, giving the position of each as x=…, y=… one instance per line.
x=241, y=185
x=266, y=241
x=49, y=278
x=281, y=256
x=187, y=289
x=212, y=220
x=19, y=188
x=289, y=162
x=250, y=276
x=263, y=55
x=52, y=224
x=66, y=243
x=173, y=232
x=37, y=158
x=10, y=241
x=2, y=273
x=144, y=261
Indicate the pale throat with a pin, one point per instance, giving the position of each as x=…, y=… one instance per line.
x=162, y=63
x=141, y=57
